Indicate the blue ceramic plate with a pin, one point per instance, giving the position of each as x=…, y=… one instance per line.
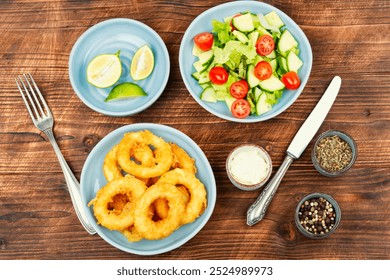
x=92, y=179
x=203, y=23
x=109, y=36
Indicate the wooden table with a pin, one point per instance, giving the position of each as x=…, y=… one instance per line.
x=348, y=38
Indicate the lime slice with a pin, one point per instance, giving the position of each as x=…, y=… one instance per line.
x=104, y=70
x=125, y=90
x=142, y=64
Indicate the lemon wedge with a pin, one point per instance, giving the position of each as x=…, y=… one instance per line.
x=142, y=64
x=104, y=70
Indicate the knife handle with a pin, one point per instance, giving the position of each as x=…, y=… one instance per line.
x=257, y=210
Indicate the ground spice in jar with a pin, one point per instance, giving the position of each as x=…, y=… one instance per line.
x=333, y=153
x=317, y=216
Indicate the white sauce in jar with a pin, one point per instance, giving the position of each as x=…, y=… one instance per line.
x=249, y=165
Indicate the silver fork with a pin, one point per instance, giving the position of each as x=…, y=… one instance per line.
x=43, y=120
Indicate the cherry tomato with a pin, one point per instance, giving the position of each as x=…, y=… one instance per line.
x=231, y=21
x=240, y=108
x=239, y=89
x=291, y=80
x=218, y=75
x=265, y=45
x=263, y=70
x=204, y=40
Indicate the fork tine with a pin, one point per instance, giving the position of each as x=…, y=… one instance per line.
x=34, y=94
x=43, y=101
x=24, y=93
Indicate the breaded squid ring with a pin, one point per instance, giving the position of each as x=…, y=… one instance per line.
x=114, y=203
x=132, y=234
x=198, y=196
x=111, y=169
x=144, y=223
x=182, y=159
x=141, y=153
x=163, y=158
x=161, y=205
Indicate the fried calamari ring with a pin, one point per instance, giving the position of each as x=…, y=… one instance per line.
x=111, y=168
x=140, y=152
x=182, y=159
x=114, y=203
x=198, y=200
x=161, y=204
x=132, y=234
x=163, y=158
x=144, y=223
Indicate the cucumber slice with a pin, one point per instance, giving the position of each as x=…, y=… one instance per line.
x=198, y=66
x=204, y=77
x=263, y=31
x=293, y=62
x=271, y=84
x=208, y=95
x=295, y=50
x=203, y=86
x=257, y=92
x=251, y=104
x=255, y=20
x=250, y=76
x=271, y=55
x=282, y=63
x=266, y=25
x=240, y=36
x=218, y=87
x=274, y=64
x=229, y=101
x=242, y=70
x=286, y=42
x=274, y=20
x=258, y=58
x=196, y=75
x=227, y=19
x=244, y=23
x=206, y=57
x=196, y=51
x=253, y=36
x=262, y=106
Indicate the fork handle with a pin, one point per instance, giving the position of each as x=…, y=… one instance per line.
x=72, y=183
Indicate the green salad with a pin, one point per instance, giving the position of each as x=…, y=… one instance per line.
x=246, y=61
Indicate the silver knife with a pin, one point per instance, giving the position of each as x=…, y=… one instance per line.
x=303, y=137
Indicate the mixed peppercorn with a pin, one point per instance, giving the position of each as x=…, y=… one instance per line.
x=317, y=216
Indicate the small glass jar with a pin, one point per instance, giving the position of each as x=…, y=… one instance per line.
x=317, y=225
x=248, y=167
x=345, y=137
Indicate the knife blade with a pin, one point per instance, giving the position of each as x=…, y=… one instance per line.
x=299, y=143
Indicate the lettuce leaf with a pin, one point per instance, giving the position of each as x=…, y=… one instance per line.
x=223, y=32
x=234, y=60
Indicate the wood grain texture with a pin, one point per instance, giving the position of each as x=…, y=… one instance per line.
x=348, y=38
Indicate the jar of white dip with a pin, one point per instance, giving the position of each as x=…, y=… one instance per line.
x=248, y=167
